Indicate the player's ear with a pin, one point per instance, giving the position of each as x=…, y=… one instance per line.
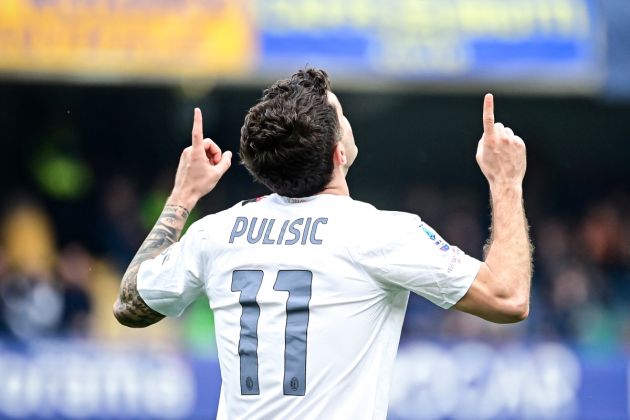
x=339, y=155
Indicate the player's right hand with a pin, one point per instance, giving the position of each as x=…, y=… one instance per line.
x=201, y=165
x=500, y=153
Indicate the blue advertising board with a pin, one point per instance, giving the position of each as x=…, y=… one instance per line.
x=529, y=41
x=475, y=380
x=430, y=381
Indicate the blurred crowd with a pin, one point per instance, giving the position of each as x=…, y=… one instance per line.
x=581, y=286
x=52, y=288
x=581, y=281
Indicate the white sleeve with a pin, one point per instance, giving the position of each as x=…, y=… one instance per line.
x=407, y=253
x=171, y=281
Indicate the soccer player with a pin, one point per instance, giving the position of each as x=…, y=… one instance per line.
x=308, y=286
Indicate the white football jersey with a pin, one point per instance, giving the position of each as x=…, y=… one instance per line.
x=309, y=297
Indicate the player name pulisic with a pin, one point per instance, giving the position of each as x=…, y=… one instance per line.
x=267, y=231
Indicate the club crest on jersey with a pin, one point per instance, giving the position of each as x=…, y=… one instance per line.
x=437, y=240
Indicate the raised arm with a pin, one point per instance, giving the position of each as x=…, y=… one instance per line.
x=201, y=165
x=500, y=292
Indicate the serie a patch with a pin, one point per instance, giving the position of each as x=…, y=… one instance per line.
x=437, y=239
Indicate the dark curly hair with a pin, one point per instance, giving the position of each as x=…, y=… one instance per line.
x=288, y=137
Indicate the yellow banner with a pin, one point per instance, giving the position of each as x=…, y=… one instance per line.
x=154, y=39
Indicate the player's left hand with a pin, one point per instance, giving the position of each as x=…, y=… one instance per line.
x=500, y=153
x=201, y=165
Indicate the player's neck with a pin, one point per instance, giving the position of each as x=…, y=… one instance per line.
x=337, y=185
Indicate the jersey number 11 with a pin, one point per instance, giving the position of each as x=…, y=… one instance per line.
x=298, y=284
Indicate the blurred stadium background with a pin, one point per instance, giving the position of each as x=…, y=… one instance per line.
x=96, y=100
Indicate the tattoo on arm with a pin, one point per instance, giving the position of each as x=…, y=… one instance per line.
x=130, y=309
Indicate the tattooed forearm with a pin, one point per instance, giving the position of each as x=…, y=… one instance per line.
x=130, y=309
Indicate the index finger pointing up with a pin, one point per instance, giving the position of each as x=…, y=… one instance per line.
x=197, y=131
x=488, y=114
